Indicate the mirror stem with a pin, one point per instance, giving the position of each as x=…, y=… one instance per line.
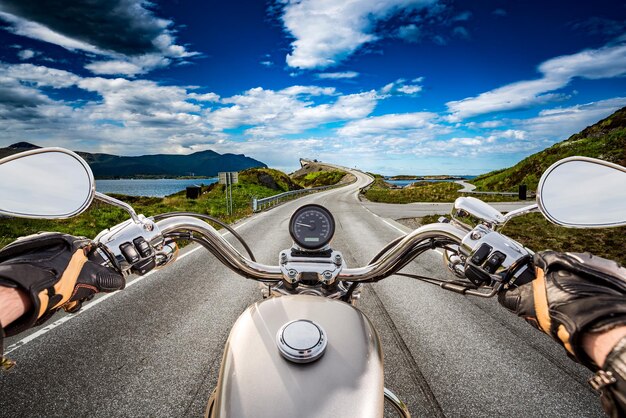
x=521, y=211
x=112, y=201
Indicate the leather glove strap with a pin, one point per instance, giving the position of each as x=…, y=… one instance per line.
x=611, y=381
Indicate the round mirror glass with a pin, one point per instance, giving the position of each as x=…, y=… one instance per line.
x=584, y=192
x=45, y=183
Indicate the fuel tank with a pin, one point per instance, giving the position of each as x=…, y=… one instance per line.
x=255, y=380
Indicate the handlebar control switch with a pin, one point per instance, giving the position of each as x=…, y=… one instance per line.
x=495, y=260
x=129, y=252
x=143, y=247
x=481, y=254
x=476, y=275
x=143, y=266
x=490, y=256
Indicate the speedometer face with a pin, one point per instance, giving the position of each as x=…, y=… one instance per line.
x=312, y=227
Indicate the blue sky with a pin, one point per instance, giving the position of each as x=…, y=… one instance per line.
x=397, y=86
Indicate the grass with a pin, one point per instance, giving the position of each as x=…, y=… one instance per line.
x=424, y=192
x=320, y=178
x=536, y=233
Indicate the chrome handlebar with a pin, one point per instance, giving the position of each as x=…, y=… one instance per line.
x=399, y=254
x=388, y=264
x=229, y=254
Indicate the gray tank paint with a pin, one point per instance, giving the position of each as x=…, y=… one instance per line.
x=256, y=381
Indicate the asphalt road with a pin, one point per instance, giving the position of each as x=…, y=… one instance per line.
x=154, y=349
x=417, y=210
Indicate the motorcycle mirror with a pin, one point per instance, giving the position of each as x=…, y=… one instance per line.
x=581, y=192
x=45, y=183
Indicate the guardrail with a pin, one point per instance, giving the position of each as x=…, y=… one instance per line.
x=260, y=204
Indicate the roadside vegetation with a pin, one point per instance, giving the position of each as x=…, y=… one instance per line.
x=536, y=233
x=254, y=182
x=423, y=191
x=320, y=178
x=317, y=174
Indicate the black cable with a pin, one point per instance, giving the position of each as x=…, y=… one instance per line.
x=208, y=218
x=409, y=257
x=348, y=295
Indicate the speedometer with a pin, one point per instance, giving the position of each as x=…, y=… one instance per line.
x=312, y=227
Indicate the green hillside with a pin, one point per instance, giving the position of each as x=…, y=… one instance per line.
x=605, y=140
x=268, y=178
x=317, y=174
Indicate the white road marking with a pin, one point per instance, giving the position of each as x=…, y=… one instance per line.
x=393, y=226
x=101, y=299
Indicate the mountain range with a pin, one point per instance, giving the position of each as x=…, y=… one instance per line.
x=202, y=163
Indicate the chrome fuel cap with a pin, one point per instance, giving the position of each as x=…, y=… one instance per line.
x=301, y=341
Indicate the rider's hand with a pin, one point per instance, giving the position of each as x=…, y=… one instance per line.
x=55, y=271
x=572, y=295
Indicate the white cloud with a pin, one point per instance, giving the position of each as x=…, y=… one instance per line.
x=140, y=102
x=558, y=123
x=490, y=124
x=130, y=66
x=39, y=76
x=513, y=134
x=387, y=88
x=114, y=67
x=267, y=63
x=127, y=116
x=271, y=113
x=338, y=75
x=388, y=124
x=132, y=116
x=530, y=135
x=466, y=141
x=308, y=90
x=26, y=54
x=606, y=62
x=326, y=31
x=206, y=97
x=402, y=86
x=410, y=89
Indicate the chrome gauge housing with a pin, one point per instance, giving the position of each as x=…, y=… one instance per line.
x=312, y=227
